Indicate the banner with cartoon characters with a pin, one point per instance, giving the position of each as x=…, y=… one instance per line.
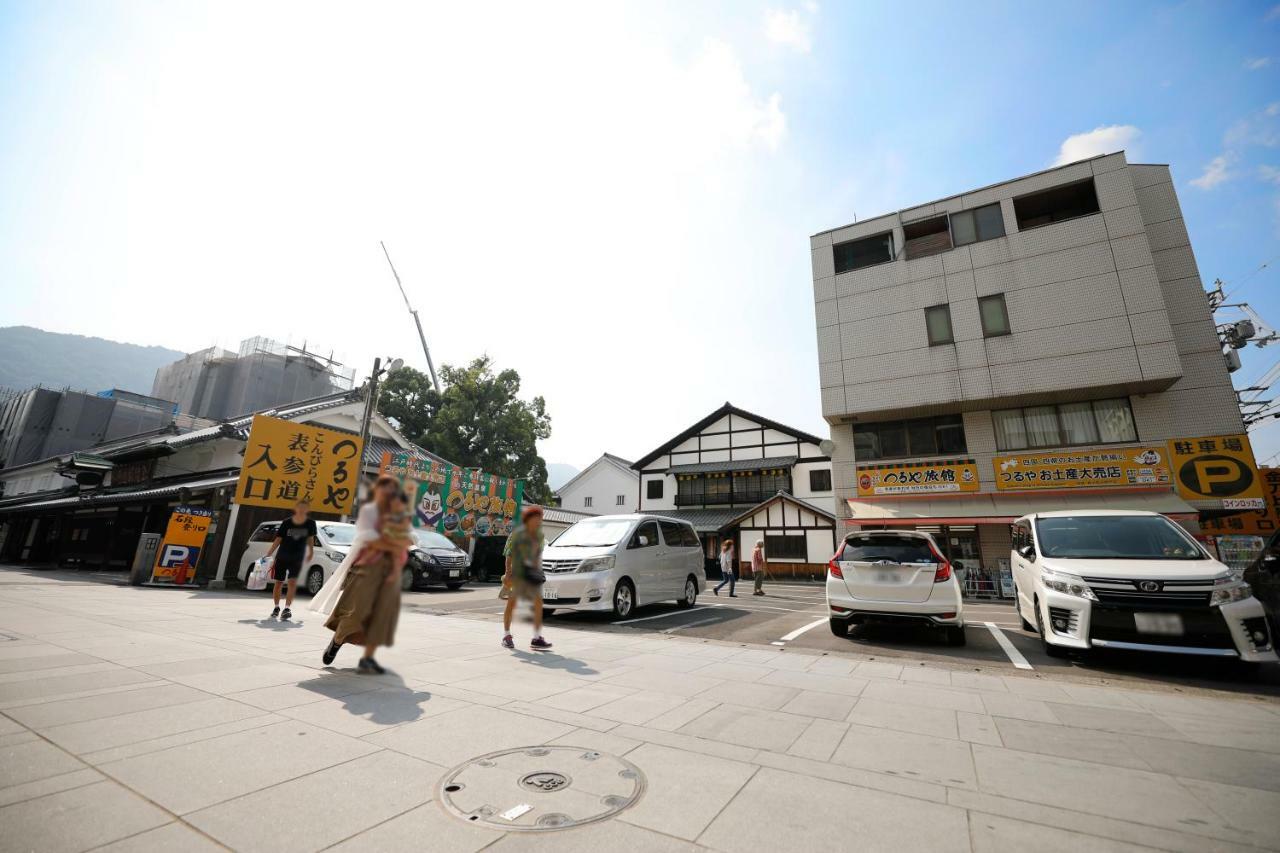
x=1070, y=469
x=457, y=501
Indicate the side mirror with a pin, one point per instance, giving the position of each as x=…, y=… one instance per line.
x=644, y=541
x=1027, y=552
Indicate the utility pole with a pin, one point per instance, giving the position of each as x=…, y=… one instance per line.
x=371, y=405
x=421, y=336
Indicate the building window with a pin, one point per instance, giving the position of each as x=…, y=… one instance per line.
x=927, y=237
x=820, y=480
x=586, y=501
x=867, y=252
x=689, y=491
x=718, y=488
x=740, y=487
x=786, y=548
x=622, y=499
x=653, y=490
x=974, y=226
x=1056, y=205
x=995, y=316
x=937, y=321
x=1094, y=422
x=940, y=436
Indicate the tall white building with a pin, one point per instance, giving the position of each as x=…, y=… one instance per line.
x=1042, y=343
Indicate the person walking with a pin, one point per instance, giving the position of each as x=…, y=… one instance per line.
x=523, y=578
x=295, y=541
x=368, y=582
x=727, y=569
x=757, y=566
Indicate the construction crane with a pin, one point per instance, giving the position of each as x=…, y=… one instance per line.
x=421, y=336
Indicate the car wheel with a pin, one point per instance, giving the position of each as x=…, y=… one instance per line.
x=690, y=593
x=315, y=580
x=839, y=627
x=955, y=635
x=624, y=599
x=454, y=585
x=1049, y=648
x=406, y=580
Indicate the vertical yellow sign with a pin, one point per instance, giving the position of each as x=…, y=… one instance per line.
x=286, y=462
x=179, y=553
x=1218, y=468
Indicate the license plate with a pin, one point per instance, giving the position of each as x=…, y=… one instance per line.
x=549, y=594
x=1168, y=624
x=886, y=577
x=453, y=573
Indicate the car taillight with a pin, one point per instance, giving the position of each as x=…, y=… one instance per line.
x=834, y=568
x=943, y=572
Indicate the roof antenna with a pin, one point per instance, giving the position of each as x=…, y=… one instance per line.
x=422, y=337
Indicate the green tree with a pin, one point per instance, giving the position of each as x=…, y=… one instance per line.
x=477, y=420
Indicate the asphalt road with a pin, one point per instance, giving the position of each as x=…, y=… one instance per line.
x=793, y=615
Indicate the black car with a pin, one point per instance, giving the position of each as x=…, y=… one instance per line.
x=1263, y=577
x=434, y=561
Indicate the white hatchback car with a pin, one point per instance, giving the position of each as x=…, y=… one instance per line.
x=1131, y=580
x=617, y=562
x=335, y=541
x=893, y=576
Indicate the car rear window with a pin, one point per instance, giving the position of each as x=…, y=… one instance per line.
x=900, y=549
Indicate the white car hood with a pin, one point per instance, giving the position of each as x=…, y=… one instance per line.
x=1136, y=569
x=575, y=553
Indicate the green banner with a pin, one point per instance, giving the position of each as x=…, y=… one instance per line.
x=457, y=501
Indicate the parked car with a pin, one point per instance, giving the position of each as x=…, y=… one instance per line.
x=617, y=562
x=896, y=576
x=1131, y=580
x=335, y=540
x=433, y=561
x=1263, y=577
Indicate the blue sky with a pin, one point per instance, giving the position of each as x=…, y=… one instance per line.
x=615, y=199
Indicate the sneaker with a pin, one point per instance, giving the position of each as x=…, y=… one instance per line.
x=733, y=595
x=716, y=590
x=276, y=612
x=539, y=644
x=287, y=614
x=369, y=666
x=331, y=652
x=508, y=643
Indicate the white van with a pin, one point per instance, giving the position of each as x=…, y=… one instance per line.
x=616, y=562
x=335, y=541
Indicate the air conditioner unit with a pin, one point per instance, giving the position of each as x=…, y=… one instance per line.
x=1233, y=360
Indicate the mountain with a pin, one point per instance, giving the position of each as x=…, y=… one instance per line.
x=31, y=356
x=559, y=473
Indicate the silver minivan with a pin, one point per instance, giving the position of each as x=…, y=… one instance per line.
x=617, y=562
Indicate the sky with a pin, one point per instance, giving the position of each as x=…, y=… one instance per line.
x=615, y=199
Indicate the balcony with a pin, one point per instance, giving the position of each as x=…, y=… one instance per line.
x=736, y=498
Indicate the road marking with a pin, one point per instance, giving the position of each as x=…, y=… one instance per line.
x=1015, y=656
x=755, y=607
x=786, y=638
x=691, y=625
x=659, y=616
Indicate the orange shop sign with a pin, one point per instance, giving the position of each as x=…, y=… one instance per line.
x=918, y=478
x=179, y=553
x=1255, y=522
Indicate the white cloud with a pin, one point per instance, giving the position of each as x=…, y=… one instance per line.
x=1257, y=63
x=1100, y=140
x=1273, y=14
x=789, y=28
x=1270, y=174
x=1215, y=172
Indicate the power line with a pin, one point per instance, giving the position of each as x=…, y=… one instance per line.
x=1240, y=284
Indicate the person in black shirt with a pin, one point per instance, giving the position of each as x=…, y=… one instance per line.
x=294, y=543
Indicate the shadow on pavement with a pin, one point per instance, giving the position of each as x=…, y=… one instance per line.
x=390, y=701
x=270, y=624
x=551, y=660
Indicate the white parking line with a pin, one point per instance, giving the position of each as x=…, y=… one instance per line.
x=1015, y=656
x=690, y=625
x=786, y=638
x=660, y=616
x=756, y=607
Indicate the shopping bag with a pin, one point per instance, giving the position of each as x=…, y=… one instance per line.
x=259, y=575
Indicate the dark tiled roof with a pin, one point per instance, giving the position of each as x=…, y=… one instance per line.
x=789, y=498
x=703, y=520
x=736, y=465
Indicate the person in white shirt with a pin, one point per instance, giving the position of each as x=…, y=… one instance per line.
x=728, y=569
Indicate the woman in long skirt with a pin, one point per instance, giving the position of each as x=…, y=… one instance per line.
x=368, y=608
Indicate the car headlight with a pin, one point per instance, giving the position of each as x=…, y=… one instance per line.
x=1067, y=584
x=1229, y=588
x=595, y=564
x=424, y=556
x=336, y=556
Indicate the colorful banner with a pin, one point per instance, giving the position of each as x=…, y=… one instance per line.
x=1217, y=468
x=1073, y=469
x=286, y=462
x=457, y=501
x=179, y=551
x=918, y=478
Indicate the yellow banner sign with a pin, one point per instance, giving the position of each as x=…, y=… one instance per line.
x=1074, y=469
x=287, y=462
x=1251, y=522
x=918, y=478
x=179, y=553
x=1217, y=468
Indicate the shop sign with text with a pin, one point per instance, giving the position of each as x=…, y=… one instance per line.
x=457, y=501
x=1073, y=469
x=179, y=553
x=918, y=478
x=286, y=462
x=1217, y=468
x=1253, y=522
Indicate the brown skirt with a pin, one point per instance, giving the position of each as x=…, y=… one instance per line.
x=368, y=608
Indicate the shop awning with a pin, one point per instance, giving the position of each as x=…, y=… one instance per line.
x=1006, y=508
x=122, y=497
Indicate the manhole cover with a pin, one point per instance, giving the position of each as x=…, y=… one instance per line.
x=537, y=789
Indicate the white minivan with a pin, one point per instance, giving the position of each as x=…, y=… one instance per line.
x=616, y=562
x=335, y=541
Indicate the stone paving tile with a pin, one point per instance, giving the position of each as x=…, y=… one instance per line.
x=847, y=685
x=819, y=740
x=596, y=837
x=977, y=728
x=49, y=785
x=426, y=827
x=750, y=727
x=77, y=819
x=978, y=681
x=812, y=703
x=1066, y=742
x=1250, y=767
x=879, y=669
x=1116, y=720
x=63, y=671
x=733, y=671
x=540, y=711
x=938, y=722
x=236, y=680
x=8, y=726
x=304, y=692
x=195, y=775
x=360, y=714
x=1217, y=731
x=690, y=743
x=926, y=675
x=165, y=839
x=313, y=812
x=1203, y=706
x=992, y=834
x=1019, y=707
x=663, y=681
x=836, y=816
x=65, y=711
x=48, y=662
x=639, y=708
x=581, y=699
x=768, y=696
x=832, y=666
x=33, y=760
x=15, y=738
x=1035, y=688
x=666, y=663
x=461, y=735
x=1254, y=813
x=941, y=761
x=600, y=741
x=923, y=695
x=685, y=789
x=143, y=747
x=121, y=729
x=1102, y=697
x=682, y=715
x=66, y=686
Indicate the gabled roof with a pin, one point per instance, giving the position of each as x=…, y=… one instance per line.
x=605, y=458
x=726, y=409
x=782, y=496
x=734, y=465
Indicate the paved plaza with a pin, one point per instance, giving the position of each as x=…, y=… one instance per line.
x=149, y=719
